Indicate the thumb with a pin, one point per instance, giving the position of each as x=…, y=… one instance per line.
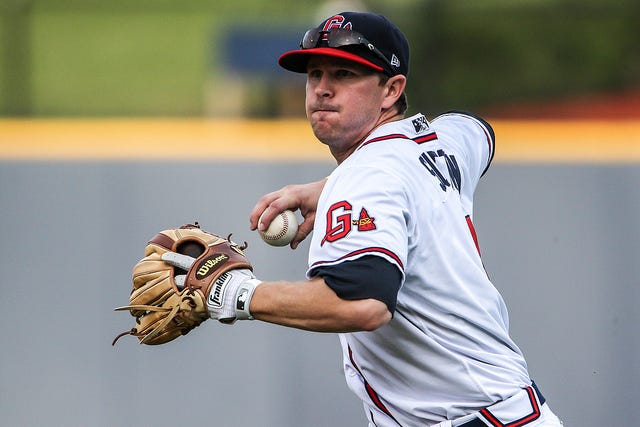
x=304, y=228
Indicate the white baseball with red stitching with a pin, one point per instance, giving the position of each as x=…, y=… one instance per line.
x=282, y=229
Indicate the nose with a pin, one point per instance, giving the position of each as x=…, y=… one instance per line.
x=323, y=87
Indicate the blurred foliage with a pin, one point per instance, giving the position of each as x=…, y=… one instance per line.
x=469, y=54
x=165, y=57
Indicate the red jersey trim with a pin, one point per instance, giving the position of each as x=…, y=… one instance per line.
x=425, y=138
x=517, y=423
x=472, y=229
x=384, y=251
x=375, y=398
x=418, y=140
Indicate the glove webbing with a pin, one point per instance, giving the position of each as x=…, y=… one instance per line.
x=186, y=298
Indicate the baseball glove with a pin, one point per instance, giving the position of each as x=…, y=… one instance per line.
x=173, y=282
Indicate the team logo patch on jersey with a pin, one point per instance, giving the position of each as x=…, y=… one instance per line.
x=338, y=222
x=364, y=222
x=420, y=124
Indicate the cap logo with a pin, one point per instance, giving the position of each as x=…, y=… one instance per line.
x=336, y=21
x=395, y=61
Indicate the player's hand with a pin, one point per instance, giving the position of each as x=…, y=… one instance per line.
x=230, y=295
x=301, y=196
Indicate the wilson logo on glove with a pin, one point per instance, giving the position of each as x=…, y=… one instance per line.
x=210, y=264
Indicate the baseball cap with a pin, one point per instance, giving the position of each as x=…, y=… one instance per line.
x=366, y=38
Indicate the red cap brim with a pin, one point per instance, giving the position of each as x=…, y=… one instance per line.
x=296, y=60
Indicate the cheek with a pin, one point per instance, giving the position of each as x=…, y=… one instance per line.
x=369, y=95
x=308, y=99
x=367, y=102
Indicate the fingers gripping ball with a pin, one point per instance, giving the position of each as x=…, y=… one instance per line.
x=282, y=229
x=168, y=301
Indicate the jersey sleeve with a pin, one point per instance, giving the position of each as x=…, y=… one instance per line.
x=472, y=139
x=362, y=211
x=366, y=277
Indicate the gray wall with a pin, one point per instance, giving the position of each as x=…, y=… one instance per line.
x=561, y=242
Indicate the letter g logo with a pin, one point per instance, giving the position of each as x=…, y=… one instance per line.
x=338, y=225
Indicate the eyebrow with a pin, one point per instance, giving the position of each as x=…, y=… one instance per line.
x=339, y=62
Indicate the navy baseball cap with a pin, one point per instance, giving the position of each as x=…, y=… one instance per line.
x=366, y=38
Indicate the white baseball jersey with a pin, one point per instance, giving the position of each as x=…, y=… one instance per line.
x=406, y=195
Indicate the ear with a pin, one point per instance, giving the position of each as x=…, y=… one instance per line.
x=393, y=89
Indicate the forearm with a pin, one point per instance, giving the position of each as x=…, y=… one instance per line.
x=312, y=305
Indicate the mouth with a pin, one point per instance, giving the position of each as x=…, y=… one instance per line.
x=323, y=109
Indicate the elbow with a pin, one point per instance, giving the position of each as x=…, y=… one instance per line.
x=369, y=315
x=374, y=323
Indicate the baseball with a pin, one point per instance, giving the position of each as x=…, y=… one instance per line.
x=282, y=229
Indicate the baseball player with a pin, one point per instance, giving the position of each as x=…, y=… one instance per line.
x=394, y=253
x=394, y=263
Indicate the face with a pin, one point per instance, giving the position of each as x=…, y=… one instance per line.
x=344, y=102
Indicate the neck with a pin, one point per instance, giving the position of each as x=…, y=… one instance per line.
x=387, y=116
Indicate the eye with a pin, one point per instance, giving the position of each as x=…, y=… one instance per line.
x=344, y=73
x=314, y=74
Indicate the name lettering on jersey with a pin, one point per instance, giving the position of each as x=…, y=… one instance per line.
x=338, y=222
x=431, y=159
x=365, y=222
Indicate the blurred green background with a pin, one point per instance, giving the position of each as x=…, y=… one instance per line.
x=199, y=58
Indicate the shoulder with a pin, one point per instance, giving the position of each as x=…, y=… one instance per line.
x=464, y=119
x=468, y=134
x=397, y=138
